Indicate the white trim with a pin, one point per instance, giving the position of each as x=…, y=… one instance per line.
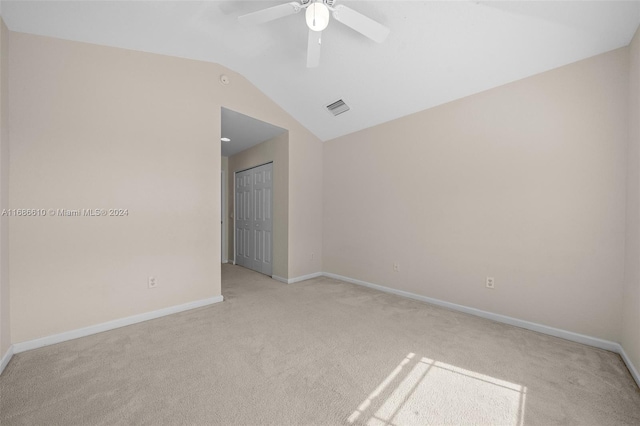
x=305, y=277
x=564, y=334
x=6, y=358
x=110, y=325
x=223, y=217
x=298, y=279
x=233, y=218
x=630, y=366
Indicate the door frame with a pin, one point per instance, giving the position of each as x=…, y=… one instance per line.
x=223, y=218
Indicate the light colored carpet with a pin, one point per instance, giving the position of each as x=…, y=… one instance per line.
x=317, y=352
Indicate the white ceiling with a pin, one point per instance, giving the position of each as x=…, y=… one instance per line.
x=438, y=51
x=244, y=132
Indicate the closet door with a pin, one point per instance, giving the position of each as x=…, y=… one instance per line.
x=244, y=220
x=263, y=221
x=254, y=218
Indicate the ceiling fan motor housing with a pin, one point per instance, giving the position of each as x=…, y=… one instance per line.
x=317, y=16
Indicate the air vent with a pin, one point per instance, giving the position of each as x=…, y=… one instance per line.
x=338, y=107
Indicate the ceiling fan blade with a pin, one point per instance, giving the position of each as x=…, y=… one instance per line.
x=313, y=48
x=362, y=24
x=271, y=13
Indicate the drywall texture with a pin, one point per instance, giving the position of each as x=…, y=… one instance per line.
x=5, y=317
x=100, y=127
x=306, y=186
x=274, y=150
x=631, y=309
x=524, y=183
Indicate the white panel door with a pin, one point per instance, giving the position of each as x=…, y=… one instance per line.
x=244, y=220
x=263, y=222
x=254, y=218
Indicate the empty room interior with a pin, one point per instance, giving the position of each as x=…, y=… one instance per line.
x=320, y=212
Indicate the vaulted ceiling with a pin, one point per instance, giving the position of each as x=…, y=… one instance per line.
x=437, y=51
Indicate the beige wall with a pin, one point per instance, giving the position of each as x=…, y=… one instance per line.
x=5, y=317
x=306, y=186
x=100, y=127
x=524, y=183
x=533, y=195
x=631, y=311
x=274, y=150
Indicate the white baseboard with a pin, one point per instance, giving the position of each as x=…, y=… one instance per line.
x=225, y=260
x=6, y=358
x=564, y=334
x=568, y=335
x=110, y=325
x=630, y=366
x=305, y=277
x=297, y=279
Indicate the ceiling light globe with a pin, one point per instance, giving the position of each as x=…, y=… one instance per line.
x=317, y=15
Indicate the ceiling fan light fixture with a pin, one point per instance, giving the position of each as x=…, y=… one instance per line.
x=317, y=16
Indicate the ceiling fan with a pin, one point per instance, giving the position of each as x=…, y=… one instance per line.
x=317, y=17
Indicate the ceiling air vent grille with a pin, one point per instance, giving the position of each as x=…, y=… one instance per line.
x=338, y=107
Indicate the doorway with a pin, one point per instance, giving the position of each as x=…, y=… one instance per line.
x=248, y=143
x=254, y=218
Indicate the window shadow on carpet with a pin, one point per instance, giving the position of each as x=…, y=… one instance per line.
x=426, y=391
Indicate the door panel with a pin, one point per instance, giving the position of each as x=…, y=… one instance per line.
x=243, y=219
x=254, y=211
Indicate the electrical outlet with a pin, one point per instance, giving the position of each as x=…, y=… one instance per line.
x=396, y=267
x=491, y=282
x=153, y=283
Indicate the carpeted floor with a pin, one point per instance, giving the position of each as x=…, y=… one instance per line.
x=317, y=352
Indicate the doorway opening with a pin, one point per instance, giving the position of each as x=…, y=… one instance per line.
x=258, y=153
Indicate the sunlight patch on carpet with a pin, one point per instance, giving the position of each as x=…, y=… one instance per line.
x=434, y=392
